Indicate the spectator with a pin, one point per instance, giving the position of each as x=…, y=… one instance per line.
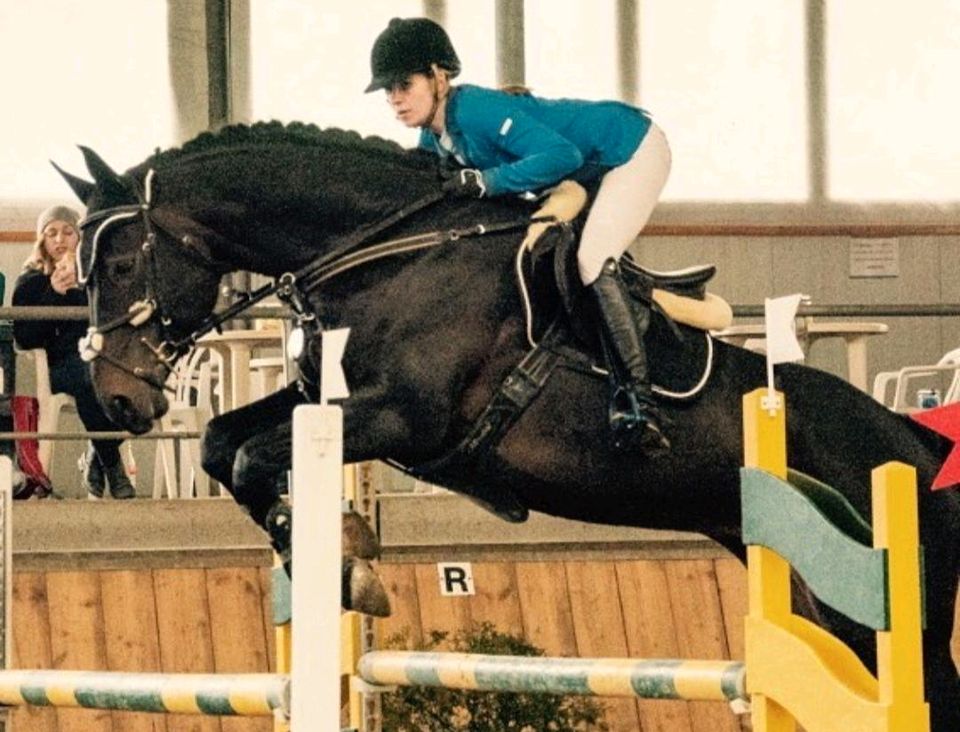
x=49, y=278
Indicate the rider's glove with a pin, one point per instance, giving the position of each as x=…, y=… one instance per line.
x=466, y=183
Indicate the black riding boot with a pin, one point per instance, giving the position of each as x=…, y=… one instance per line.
x=120, y=486
x=91, y=473
x=633, y=413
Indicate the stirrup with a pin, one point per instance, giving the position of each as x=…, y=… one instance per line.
x=635, y=423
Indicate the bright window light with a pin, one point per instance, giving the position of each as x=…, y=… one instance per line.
x=310, y=62
x=892, y=106
x=571, y=49
x=85, y=73
x=725, y=80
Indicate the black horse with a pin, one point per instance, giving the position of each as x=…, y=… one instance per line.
x=438, y=330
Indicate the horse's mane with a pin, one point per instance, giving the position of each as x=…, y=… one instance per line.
x=294, y=133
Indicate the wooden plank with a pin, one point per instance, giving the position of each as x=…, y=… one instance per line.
x=400, y=582
x=700, y=633
x=599, y=627
x=648, y=625
x=77, y=640
x=439, y=613
x=130, y=633
x=186, y=642
x=266, y=596
x=497, y=600
x=732, y=585
x=238, y=633
x=30, y=637
x=545, y=605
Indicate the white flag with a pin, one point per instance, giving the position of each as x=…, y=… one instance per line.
x=333, y=382
x=780, y=314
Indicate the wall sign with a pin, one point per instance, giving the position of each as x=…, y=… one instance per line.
x=874, y=257
x=456, y=578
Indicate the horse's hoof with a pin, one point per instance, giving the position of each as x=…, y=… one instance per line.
x=358, y=539
x=362, y=589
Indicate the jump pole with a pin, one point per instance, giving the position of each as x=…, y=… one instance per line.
x=608, y=677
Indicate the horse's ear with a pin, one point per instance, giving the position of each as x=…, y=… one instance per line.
x=83, y=188
x=103, y=175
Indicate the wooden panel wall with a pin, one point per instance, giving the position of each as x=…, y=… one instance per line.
x=689, y=608
x=218, y=620
x=175, y=620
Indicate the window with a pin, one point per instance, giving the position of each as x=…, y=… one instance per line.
x=892, y=106
x=94, y=74
x=726, y=82
x=310, y=62
x=571, y=49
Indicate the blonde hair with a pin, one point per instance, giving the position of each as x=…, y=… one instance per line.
x=39, y=258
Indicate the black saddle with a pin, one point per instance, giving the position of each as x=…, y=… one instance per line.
x=550, y=282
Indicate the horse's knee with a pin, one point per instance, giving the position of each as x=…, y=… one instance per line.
x=217, y=451
x=254, y=478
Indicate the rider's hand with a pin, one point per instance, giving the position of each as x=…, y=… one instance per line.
x=466, y=183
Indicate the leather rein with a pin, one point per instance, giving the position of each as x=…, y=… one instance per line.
x=292, y=288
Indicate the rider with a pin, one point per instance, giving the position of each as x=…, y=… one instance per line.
x=509, y=143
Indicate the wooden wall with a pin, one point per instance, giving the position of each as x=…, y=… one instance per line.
x=625, y=608
x=176, y=620
x=86, y=596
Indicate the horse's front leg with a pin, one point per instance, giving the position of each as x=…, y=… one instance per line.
x=226, y=434
x=258, y=464
x=248, y=450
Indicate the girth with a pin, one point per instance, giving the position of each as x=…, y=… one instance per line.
x=516, y=392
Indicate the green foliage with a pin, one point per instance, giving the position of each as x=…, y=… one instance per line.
x=424, y=709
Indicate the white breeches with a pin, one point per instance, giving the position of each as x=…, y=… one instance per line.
x=623, y=205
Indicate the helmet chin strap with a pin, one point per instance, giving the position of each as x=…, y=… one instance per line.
x=436, y=99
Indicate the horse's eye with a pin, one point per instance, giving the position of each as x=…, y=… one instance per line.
x=120, y=268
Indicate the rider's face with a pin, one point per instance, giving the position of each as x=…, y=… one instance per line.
x=412, y=99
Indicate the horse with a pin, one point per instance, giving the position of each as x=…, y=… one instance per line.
x=355, y=234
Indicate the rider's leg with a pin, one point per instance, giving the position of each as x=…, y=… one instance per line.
x=632, y=411
x=623, y=205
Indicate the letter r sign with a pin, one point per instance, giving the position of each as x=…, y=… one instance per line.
x=456, y=578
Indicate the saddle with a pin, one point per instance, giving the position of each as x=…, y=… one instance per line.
x=547, y=269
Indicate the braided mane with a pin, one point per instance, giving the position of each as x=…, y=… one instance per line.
x=294, y=133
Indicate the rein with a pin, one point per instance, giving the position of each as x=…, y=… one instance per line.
x=291, y=287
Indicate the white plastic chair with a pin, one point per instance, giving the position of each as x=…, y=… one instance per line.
x=902, y=379
x=190, y=410
x=51, y=406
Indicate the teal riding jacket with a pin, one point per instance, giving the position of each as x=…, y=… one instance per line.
x=526, y=143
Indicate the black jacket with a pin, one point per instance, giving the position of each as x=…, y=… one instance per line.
x=58, y=337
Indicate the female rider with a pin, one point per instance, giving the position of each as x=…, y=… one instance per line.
x=510, y=143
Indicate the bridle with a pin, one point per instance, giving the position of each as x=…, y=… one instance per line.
x=292, y=288
x=169, y=349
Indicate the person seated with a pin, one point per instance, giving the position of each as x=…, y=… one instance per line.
x=49, y=278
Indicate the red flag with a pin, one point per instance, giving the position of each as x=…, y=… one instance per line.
x=945, y=421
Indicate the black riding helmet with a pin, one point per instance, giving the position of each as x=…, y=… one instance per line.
x=409, y=46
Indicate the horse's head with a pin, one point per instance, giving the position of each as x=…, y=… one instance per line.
x=151, y=280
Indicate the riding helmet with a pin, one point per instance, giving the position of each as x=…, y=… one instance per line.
x=408, y=46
